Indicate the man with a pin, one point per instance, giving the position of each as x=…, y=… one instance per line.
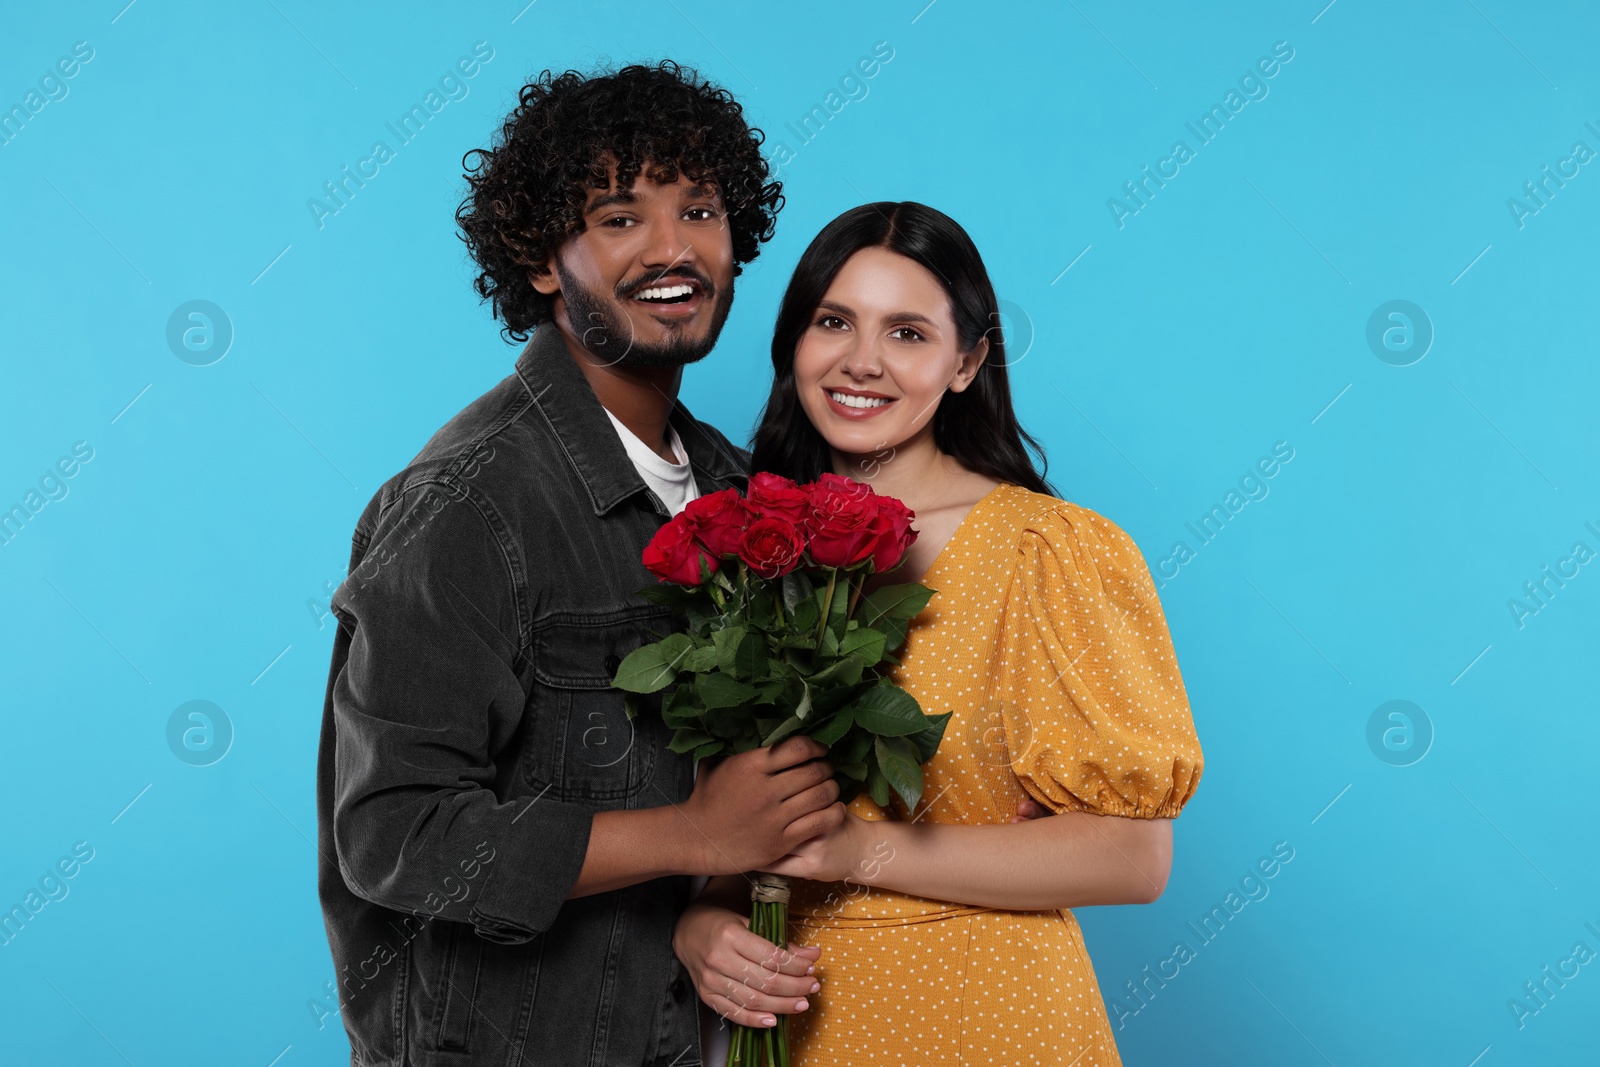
x=503, y=852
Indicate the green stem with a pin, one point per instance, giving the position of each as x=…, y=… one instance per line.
x=855, y=593
x=827, y=605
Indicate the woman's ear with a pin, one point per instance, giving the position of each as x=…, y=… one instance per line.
x=971, y=363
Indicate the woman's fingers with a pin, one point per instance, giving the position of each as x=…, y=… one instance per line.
x=742, y=1016
x=794, y=960
x=756, y=974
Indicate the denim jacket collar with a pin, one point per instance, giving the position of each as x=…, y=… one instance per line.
x=565, y=399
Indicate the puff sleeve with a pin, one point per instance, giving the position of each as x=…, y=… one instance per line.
x=1088, y=687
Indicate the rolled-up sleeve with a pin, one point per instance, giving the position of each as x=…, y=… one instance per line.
x=426, y=704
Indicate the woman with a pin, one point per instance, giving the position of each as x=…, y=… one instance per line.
x=944, y=935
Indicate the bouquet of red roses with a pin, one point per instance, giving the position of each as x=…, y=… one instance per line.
x=780, y=640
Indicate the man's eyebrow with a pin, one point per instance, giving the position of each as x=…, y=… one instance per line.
x=626, y=196
x=619, y=196
x=897, y=316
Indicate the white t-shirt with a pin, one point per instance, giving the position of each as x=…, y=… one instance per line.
x=674, y=484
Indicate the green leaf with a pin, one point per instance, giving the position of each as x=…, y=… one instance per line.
x=889, y=711
x=845, y=671
x=834, y=728
x=878, y=787
x=750, y=657
x=727, y=641
x=710, y=748
x=839, y=613
x=651, y=668
x=700, y=659
x=796, y=587
x=723, y=691
x=858, y=771
x=927, y=739
x=866, y=644
x=672, y=595
x=763, y=610
x=803, y=618
x=898, y=761
x=630, y=705
x=785, y=728
x=681, y=708
x=688, y=740
x=803, y=708
x=853, y=749
x=893, y=602
x=894, y=634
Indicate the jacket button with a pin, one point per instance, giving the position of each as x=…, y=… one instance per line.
x=678, y=988
x=612, y=663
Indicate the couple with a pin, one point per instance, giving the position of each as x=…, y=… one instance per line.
x=513, y=871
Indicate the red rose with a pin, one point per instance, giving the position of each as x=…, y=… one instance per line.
x=771, y=547
x=893, y=533
x=841, y=526
x=847, y=486
x=772, y=496
x=717, y=521
x=675, y=556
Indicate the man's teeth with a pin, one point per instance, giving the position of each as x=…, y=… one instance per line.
x=850, y=401
x=670, y=292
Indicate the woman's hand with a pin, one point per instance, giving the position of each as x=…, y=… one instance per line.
x=846, y=851
x=741, y=975
x=1029, y=809
x=850, y=850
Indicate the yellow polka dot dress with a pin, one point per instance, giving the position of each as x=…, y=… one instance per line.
x=1045, y=639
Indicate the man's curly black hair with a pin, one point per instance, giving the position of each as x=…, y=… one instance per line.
x=528, y=189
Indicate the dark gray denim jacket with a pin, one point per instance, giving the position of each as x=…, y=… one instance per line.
x=470, y=733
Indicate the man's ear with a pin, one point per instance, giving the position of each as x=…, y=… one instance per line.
x=971, y=362
x=544, y=280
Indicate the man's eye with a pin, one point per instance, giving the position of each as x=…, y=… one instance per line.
x=618, y=222
x=703, y=214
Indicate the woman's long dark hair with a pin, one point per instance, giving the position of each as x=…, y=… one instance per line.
x=977, y=426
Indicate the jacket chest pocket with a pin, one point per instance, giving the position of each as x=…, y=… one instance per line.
x=582, y=742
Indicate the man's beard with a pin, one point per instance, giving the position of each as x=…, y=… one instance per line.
x=608, y=334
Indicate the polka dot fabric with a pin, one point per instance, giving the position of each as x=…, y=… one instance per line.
x=1045, y=640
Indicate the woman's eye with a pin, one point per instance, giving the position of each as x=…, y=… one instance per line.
x=898, y=331
x=830, y=322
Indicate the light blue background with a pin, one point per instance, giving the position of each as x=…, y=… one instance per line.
x=189, y=559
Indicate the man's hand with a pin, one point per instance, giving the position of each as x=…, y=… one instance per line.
x=750, y=809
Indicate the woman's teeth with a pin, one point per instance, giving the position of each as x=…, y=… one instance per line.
x=669, y=292
x=850, y=401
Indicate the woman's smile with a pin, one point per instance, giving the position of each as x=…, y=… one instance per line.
x=852, y=404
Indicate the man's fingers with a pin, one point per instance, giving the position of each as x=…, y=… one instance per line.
x=797, y=780
x=794, y=750
x=813, y=798
x=815, y=824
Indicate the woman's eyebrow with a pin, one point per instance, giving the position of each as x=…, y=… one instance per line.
x=898, y=316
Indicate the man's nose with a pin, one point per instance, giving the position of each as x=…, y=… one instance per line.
x=667, y=244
